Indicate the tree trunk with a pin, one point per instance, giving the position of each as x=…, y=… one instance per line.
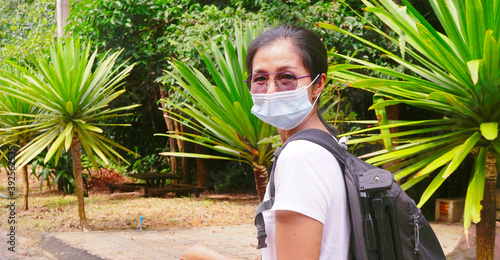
x=77, y=172
x=485, y=229
x=185, y=170
x=179, y=146
x=202, y=176
x=170, y=127
x=62, y=16
x=173, y=159
x=261, y=179
x=177, y=131
x=184, y=160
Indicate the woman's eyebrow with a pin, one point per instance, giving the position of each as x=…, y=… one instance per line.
x=287, y=67
x=280, y=69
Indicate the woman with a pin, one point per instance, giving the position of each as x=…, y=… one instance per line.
x=309, y=218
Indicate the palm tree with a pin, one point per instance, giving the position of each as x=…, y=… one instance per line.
x=457, y=75
x=73, y=92
x=17, y=115
x=222, y=112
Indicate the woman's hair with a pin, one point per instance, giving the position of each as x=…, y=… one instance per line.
x=312, y=50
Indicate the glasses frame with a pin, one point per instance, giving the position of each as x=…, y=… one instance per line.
x=249, y=81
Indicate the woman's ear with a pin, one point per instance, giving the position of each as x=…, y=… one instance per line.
x=320, y=85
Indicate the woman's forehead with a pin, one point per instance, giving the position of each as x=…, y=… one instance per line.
x=278, y=56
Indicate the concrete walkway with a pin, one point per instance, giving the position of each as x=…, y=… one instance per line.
x=236, y=241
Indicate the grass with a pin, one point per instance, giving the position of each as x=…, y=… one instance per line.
x=60, y=202
x=51, y=211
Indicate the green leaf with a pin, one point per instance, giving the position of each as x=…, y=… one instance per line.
x=491, y=61
x=475, y=190
x=54, y=147
x=69, y=108
x=449, y=60
x=496, y=145
x=461, y=153
x=197, y=155
x=412, y=181
x=68, y=133
x=433, y=186
x=382, y=119
x=473, y=66
x=90, y=128
x=444, y=159
x=416, y=164
x=475, y=28
x=489, y=130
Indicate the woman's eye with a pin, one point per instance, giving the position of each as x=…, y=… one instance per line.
x=260, y=79
x=288, y=76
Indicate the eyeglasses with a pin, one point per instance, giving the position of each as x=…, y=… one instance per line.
x=284, y=81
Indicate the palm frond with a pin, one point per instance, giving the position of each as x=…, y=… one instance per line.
x=220, y=111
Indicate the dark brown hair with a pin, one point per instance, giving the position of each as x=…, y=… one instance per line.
x=312, y=50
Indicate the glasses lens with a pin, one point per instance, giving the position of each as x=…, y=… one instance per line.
x=285, y=81
x=258, y=83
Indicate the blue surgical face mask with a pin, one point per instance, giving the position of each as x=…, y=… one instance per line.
x=284, y=110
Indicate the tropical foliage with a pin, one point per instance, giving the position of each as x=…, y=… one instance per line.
x=18, y=108
x=72, y=91
x=220, y=114
x=59, y=175
x=456, y=74
x=26, y=27
x=15, y=116
x=152, y=32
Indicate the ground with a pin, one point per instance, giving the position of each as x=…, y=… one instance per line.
x=52, y=211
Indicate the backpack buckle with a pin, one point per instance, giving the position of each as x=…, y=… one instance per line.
x=343, y=142
x=261, y=237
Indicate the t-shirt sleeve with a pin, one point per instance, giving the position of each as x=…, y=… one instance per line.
x=306, y=179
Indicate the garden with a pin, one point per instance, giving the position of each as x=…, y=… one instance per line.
x=156, y=87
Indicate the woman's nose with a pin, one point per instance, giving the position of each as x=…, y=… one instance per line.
x=271, y=86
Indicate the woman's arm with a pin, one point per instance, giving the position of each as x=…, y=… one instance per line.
x=297, y=236
x=200, y=252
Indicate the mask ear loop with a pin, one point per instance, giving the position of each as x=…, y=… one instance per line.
x=316, y=100
x=312, y=82
x=332, y=130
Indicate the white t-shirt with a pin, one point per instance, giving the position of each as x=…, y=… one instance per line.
x=309, y=180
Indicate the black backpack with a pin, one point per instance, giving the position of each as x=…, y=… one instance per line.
x=385, y=222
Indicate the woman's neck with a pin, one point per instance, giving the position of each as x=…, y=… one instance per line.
x=312, y=121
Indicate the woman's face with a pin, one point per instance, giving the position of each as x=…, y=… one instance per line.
x=280, y=56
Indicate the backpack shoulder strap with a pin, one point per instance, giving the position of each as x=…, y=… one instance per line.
x=317, y=136
x=266, y=205
x=323, y=139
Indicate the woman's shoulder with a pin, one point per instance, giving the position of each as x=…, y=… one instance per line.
x=305, y=145
x=303, y=149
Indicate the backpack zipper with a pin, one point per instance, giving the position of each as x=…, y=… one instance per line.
x=416, y=235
